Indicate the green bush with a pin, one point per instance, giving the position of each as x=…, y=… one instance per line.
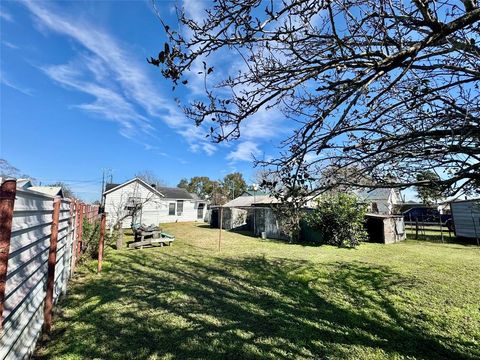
x=90, y=238
x=340, y=220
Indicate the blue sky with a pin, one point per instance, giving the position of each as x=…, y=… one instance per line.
x=77, y=96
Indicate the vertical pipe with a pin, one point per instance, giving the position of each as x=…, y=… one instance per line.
x=80, y=229
x=52, y=260
x=8, y=190
x=220, y=231
x=101, y=242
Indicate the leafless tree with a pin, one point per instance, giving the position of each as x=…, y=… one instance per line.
x=127, y=205
x=387, y=87
x=150, y=178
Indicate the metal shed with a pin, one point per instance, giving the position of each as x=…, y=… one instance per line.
x=248, y=212
x=386, y=229
x=466, y=218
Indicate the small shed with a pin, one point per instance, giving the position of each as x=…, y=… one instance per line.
x=466, y=218
x=385, y=229
x=251, y=212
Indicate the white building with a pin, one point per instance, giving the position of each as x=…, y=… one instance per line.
x=381, y=201
x=150, y=204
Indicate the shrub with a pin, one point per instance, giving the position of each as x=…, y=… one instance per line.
x=90, y=238
x=340, y=219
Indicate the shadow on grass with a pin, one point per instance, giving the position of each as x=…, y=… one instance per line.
x=204, y=226
x=180, y=307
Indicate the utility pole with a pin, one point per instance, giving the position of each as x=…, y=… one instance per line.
x=103, y=188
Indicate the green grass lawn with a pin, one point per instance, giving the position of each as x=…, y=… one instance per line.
x=271, y=300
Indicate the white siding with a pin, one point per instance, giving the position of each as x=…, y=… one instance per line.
x=154, y=207
x=466, y=217
x=27, y=270
x=189, y=211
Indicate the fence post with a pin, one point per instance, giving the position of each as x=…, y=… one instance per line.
x=220, y=231
x=73, y=213
x=80, y=230
x=101, y=242
x=52, y=260
x=8, y=190
x=416, y=228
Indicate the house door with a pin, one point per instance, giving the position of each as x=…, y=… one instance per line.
x=200, y=211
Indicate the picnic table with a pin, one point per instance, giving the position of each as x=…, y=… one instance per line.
x=151, y=237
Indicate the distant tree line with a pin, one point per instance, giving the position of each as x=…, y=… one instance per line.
x=217, y=191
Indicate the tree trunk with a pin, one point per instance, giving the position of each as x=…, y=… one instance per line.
x=120, y=239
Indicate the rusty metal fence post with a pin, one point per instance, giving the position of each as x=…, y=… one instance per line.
x=101, y=242
x=220, y=230
x=8, y=190
x=52, y=260
x=80, y=229
x=73, y=215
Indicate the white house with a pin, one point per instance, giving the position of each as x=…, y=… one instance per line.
x=150, y=204
x=381, y=201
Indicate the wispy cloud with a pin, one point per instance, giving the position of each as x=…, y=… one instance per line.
x=6, y=15
x=9, y=44
x=11, y=84
x=108, y=103
x=115, y=78
x=244, y=151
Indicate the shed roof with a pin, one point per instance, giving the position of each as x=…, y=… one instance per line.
x=247, y=201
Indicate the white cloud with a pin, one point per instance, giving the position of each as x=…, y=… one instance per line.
x=244, y=151
x=119, y=83
x=9, y=44
x=6, y=15
x=108, y=103
x=12, y=85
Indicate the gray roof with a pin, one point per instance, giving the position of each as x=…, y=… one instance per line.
x=24, y=183
x=175, y=193
x=167, y=192
x=252, y=192
x=110, y=186
x=374, y=194
x=48, y=190
x=247, y=201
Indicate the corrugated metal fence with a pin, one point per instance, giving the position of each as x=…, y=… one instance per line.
x=33, y=258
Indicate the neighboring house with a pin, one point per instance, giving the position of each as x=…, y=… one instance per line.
x=47, y=190
x=150, y=204
x=466, y=218
x=24, y=183
x=253, y=192
x=381, y=201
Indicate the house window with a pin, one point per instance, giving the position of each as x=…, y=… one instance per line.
x=179, y=207
x=133, y=202
x=171, y=209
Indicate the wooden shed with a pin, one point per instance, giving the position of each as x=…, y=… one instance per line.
x=386, y=229
x=466, y=218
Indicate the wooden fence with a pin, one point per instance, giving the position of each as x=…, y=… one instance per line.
x=40, y=240
x=425, y=230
